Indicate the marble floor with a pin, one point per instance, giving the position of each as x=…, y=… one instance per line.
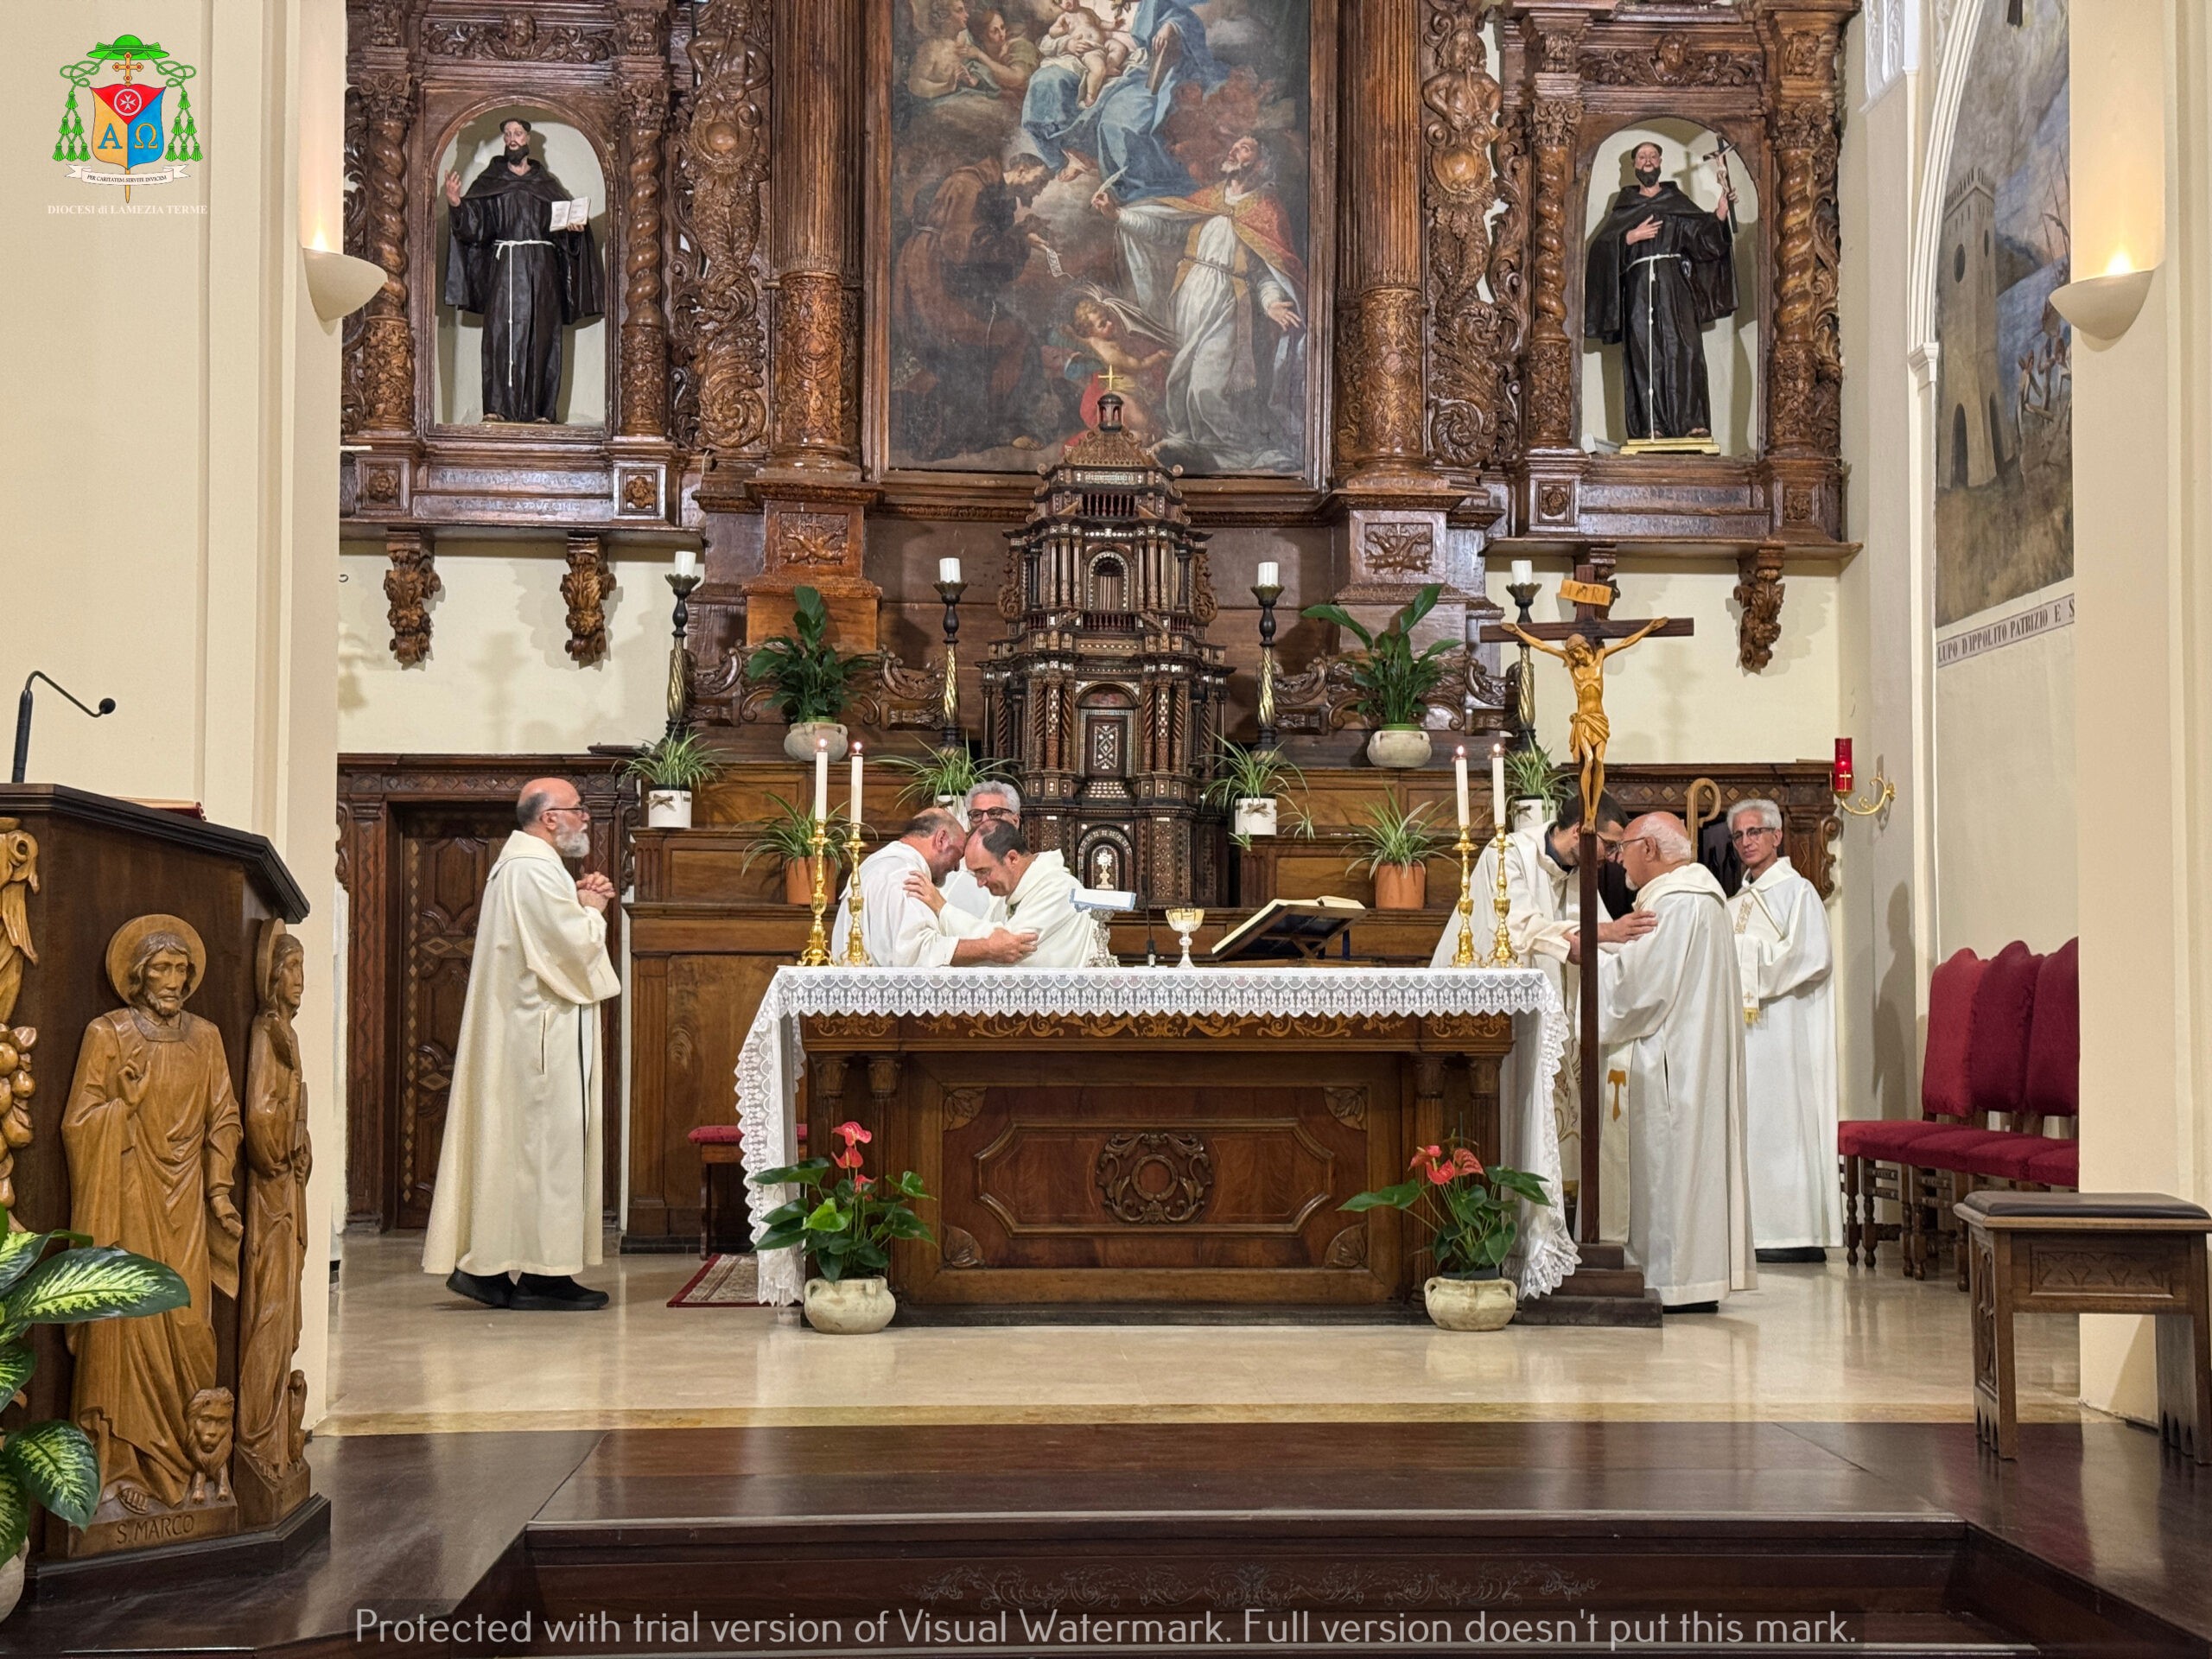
x=1812, y=1344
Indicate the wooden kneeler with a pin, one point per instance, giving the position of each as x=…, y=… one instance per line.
x=2091, y=1252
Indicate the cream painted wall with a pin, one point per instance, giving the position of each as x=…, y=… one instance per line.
x=169, y=454
x=498, y=679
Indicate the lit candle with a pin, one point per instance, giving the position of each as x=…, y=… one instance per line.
x=948, y=570
x=687, y=562
x=1459, y=780
x=1524, y=572
x=1497, y=786
x=1842, y=779
x=1270, y=574
x=856, y=808
x=822, y=781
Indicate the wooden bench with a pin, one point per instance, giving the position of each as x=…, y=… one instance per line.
x=2091, y=1252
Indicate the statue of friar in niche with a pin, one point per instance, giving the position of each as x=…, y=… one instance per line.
x=1661, y=268
x=505, y=261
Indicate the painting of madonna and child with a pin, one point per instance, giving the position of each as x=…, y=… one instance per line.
x=1100, y=194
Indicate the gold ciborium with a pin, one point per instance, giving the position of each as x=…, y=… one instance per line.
x=1186, y=920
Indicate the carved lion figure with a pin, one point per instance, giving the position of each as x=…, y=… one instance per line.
x=212, y=1416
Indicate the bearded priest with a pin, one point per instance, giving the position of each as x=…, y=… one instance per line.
x=1783, y=957
x=1671, y=1001
x=519, y=1175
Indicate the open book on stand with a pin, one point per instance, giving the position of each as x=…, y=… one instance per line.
x=1288, y=929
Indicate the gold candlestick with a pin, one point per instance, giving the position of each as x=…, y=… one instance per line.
x=817, y=954
x=1501, y=952
x=1463, y=955
x=855, y=947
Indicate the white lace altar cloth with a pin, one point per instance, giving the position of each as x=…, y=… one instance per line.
x=771, y=1062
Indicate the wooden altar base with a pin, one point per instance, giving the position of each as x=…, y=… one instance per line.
x=2089, y=1545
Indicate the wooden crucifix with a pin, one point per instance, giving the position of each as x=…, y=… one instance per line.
x=1583, y=645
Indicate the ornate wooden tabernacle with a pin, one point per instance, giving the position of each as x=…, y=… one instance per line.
x=1451, y=151
x=1105, y=694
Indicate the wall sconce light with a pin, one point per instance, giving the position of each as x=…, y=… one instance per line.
x=2104, y=308
x=338, y=283
x=1842, y=781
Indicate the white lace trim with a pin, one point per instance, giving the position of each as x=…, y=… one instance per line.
x=771, y=1061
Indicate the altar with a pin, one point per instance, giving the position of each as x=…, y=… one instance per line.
x=1163, y=1135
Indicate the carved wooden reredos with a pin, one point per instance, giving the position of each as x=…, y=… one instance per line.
x=1454, y=149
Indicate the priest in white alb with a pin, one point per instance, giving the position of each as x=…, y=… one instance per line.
x=1670, y=1001
x=519, y=1173
x=1039, y=893
x=1790, y=1069
x=905, y=921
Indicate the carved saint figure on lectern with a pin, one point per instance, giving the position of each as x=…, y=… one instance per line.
x=1660, y=268
x=151, y=1131
x=271, y=1479
x=506, y=261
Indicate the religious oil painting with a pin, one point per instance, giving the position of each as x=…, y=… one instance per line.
x=1100, y=195
x=2004, y=426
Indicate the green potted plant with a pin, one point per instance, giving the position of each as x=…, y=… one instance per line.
x=1248, y=782
x=669, y=769
x=845, y=1221
x=1395, y=845
x=1533, y=784
x=1469, y=1214
x=943, y=776
x=788, y=837
x=1394, y=682
x=810, y=680
x=53, y=1465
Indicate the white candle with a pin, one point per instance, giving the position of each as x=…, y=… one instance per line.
x=822, y=781
x=1497, y=786
x=1270, y=574
x=948, y=570
x=687, y=562
x=856, y=808
x=1524, y=572
x=1459, y=780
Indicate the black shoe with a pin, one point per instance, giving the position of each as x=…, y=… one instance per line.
x=1790, y=1254
x=1678, y=1307
x=536, y=1293
x=493, y=1290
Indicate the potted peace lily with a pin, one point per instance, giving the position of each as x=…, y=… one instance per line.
x=1533, y=782
x=943, y=776
x=670, y=769
x=53, y=1465
x=810, y=680
x=1469, y=1212
x=1248, y=782
x=845, y=1221
x=1394, y=682
x=788, y=837
x=1395, y=845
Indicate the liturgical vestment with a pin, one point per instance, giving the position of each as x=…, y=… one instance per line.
x=1789, y=1098
x=1671, y=1000
x=1043, y=903
x=519, y=1177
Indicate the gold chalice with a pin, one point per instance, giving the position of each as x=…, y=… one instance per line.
x=1186, y=920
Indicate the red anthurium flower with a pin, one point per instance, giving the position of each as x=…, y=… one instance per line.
x=852, y=1132
x=1464, y=1162
x=849, y=1159
x=1440, y=1174
x=1425, y=1157
x=861, y=1183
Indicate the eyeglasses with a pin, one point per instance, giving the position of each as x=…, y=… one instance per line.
x=1006, y=812
x=1622, y=847
x=1751, y=834
x=548, y=812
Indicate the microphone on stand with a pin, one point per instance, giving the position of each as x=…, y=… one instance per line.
x=23, y=717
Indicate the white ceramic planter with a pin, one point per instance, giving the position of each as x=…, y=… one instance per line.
x=1528, y=813
x=668, y=809
x=1255, y=815
x=799, y=738
x=850, y=1308
x=1398, y=747
x=11, y=1579
x=1469, y=1304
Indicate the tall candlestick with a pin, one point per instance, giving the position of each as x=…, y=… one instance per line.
x=1459, y=780
x=821, y=781
x=855, y=810
x=1497, y=786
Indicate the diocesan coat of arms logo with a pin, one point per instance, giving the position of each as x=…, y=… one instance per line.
x=134, y=130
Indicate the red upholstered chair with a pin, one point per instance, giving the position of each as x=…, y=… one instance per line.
x=718, y=1144
x=1997, y=1069
x=1874, y=1151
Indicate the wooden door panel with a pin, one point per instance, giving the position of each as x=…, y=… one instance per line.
x=445, y=858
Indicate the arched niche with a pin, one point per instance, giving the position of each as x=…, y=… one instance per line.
x=457, y=390
x=1735, y=349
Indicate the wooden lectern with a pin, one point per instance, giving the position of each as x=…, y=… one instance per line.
x=112, y=1086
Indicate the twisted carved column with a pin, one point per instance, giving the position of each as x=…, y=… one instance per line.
x=387, y=338
x=1555, y=44
x=1806, y=396
x=1382, y=434
x=723, y=155
x=644, y=326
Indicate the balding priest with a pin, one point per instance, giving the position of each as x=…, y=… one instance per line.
x=1040, y=894
x=518, y=1174
x=1789, y=1088
x=1671, y=1000
x=901, y=927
